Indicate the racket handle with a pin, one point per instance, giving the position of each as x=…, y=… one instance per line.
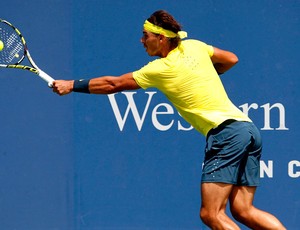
x=46, y=78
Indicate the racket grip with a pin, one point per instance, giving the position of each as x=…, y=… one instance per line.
x=46, y=78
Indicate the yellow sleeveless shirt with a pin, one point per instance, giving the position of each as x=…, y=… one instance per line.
x=189, y=80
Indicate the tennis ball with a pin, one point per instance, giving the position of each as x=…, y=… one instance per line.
x=1, y=45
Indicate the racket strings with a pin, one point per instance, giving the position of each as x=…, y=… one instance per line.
x=13, y=51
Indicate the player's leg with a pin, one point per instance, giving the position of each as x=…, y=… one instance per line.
x=214, y=198
x=219, y=173
x=241, y=197
x=242, y=209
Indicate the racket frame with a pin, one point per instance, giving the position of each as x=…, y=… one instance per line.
x=33, y=68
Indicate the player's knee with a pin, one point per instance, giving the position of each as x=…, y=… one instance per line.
x=202, y=214
x=240, y=213
x=206, y=216
x=239, y=216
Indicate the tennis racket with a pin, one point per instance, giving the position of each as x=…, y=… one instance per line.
x=15, y=50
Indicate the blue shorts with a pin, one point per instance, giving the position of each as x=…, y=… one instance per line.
x=232, y=154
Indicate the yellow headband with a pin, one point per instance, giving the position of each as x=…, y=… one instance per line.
x=159, y=30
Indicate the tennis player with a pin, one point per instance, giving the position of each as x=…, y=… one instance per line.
x=187, y=72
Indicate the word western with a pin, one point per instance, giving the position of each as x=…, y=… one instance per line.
x=164, y=109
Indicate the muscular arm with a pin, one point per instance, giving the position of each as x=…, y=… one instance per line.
x=100, y=85
x=223, y=60
x=111, y=84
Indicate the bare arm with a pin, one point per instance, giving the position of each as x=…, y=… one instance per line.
x=100, y=85
x=223, y=60
x=111, y=84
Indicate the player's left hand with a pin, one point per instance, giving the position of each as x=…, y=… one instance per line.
x=63, y=87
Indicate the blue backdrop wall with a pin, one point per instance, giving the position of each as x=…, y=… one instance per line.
x=128, y=160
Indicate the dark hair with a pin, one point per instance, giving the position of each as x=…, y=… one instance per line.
x=165, y=20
